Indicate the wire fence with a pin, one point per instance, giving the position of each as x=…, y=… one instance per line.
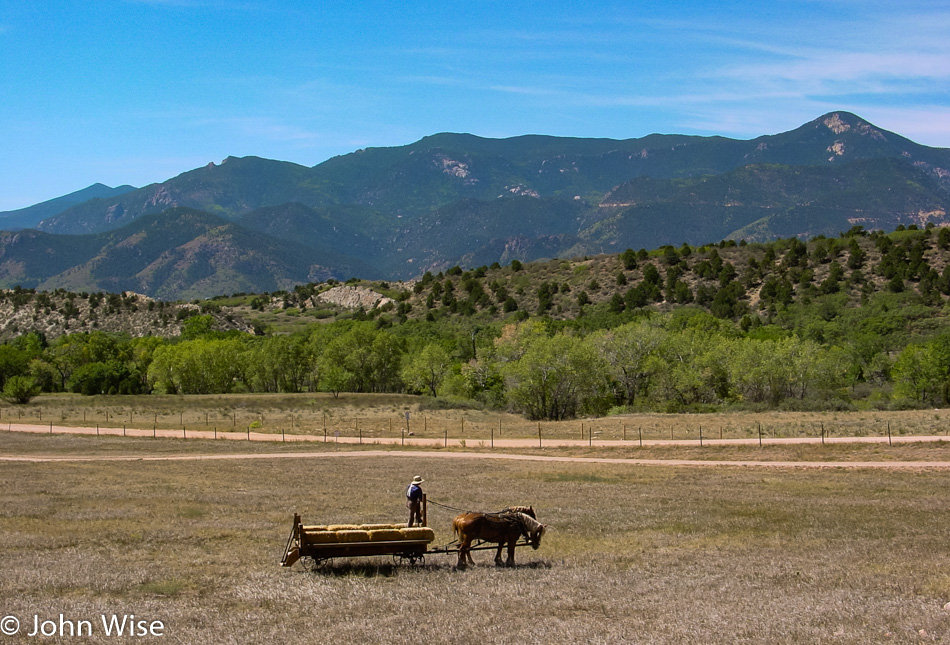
x=483, y=429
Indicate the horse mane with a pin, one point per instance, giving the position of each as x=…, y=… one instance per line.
x=530, y=524
x=527, y=510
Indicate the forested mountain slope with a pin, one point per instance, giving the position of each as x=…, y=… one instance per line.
x=453, y=199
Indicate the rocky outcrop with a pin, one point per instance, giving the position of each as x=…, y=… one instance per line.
x=351, y=297
x=57, y=313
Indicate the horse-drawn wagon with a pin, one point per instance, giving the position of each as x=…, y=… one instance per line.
x=323, y=542
x=318, y=544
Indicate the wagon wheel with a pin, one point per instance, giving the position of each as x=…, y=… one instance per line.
x=411, y=558
x=313, y=564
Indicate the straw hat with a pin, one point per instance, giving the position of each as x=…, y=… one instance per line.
x=416, y=481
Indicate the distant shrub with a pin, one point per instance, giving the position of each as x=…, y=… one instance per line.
x=20, y=389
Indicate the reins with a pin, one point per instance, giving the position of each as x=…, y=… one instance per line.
x=464, y=510
x=451, y=508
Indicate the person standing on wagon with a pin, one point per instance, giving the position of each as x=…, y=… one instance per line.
x=414, y=500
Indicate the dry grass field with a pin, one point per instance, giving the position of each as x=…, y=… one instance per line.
x=635, y=554
x=383, y=415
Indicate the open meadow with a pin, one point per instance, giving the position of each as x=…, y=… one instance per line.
x=640, y=554
x=384, y=416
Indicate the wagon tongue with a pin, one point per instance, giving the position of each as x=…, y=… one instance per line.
x=291, y=556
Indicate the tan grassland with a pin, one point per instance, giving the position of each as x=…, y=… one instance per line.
x=635, y=554
x=383, y=416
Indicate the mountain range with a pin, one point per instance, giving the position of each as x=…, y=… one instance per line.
x=30, y=216
x=253, y=224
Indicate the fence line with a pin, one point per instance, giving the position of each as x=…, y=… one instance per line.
x=483, y=429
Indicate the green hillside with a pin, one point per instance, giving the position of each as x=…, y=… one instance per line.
x=855, y=321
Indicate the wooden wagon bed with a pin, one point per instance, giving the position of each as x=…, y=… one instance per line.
x=322, y=542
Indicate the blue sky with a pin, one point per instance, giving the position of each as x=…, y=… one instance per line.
x=138, y=91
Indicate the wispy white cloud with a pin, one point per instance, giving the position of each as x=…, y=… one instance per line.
x=929, y=124
x=525, y=90
x=264, y=128
x=203, y=4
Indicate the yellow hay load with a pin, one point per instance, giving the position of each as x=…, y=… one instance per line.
x=320, y=537
x=323, y=542
x=347, y=537
x=417, y=533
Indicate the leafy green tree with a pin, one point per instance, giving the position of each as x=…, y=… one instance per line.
x=943, y=238
x=20, y=389
x=651, y=275
x=197, y=327
x=198, y=367
x=545, y=297
x=616, y=304
x=626, y=352
x=628, y=259
x=425, y=371
x=554, y=379
x=918, y=374
x=13, y=362
x=362, y=359
x=856, y=255
x=690, y=367
x=112, y=377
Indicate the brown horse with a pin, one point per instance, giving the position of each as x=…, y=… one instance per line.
x=502, y=528
x=527, y=510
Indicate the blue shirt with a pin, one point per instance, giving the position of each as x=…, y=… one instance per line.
x=414, y=493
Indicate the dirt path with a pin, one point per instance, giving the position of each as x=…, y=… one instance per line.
x=498, y=443
x=456, y=443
